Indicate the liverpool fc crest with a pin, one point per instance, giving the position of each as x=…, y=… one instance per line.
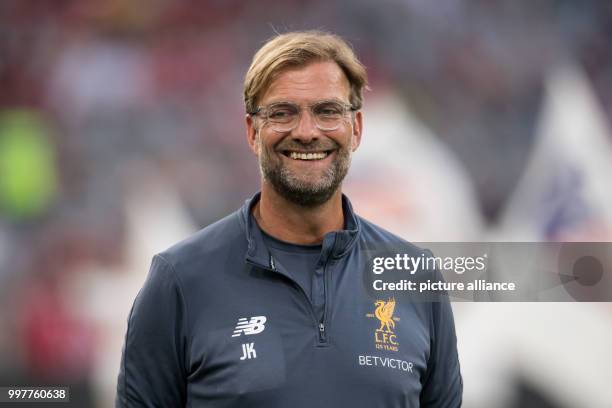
x=385, y=337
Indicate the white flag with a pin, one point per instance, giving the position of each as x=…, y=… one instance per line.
x=565, y=193
x=405, y=179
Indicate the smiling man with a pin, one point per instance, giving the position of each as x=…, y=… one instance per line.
x=267, y=307
x=303, y=130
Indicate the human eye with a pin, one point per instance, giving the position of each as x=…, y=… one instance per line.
x=328, y=109
x=281, y=112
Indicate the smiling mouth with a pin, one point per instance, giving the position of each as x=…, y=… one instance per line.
x=307, y=155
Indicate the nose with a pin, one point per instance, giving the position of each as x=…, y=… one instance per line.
x=306, y=129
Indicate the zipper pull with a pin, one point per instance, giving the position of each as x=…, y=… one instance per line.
x=322, y=329
x=272, y=263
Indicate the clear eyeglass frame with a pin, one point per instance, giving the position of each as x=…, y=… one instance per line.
x=328, y=115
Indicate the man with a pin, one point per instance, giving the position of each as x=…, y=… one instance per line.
x=267, y=307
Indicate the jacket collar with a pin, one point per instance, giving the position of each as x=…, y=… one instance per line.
x=336, y=244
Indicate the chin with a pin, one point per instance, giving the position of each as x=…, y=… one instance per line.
x=306, y=195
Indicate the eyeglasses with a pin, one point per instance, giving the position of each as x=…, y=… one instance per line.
x=285, y=116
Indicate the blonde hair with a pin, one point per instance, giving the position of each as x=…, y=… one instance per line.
x=297, y=49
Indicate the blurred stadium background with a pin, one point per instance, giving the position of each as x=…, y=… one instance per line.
x=121, y=132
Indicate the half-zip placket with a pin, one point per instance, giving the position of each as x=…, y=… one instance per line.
x=335, y=245
x=319, y=325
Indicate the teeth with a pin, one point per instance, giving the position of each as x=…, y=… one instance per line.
x=307, y=156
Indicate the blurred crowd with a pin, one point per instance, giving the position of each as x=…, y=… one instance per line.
x=121, y=131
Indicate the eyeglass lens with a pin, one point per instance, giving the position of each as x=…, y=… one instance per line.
x=285, y=116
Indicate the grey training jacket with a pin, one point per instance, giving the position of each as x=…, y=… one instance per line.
x=219, y=324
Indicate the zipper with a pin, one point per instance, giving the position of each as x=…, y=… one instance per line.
x=319, y=325
x=322, y=333
x=326, y=290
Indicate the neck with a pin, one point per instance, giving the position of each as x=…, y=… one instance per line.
x=293, y=223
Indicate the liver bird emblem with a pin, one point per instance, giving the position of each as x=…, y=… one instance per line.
x=384, y=313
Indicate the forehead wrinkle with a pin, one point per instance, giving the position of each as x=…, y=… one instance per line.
x=314, y=82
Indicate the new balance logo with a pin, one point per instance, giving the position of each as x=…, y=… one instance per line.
x=253, y=326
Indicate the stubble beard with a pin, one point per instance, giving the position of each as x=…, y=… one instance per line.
x=297, y=190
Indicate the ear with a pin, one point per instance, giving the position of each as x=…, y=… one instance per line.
x=251, y=133
x=357, y=129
